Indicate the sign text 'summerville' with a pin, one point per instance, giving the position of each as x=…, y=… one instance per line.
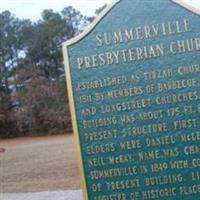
x=135, y=53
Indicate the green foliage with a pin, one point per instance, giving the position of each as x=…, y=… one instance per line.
x=32, y=87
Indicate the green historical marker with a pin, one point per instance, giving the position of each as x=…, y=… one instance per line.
x=134, y=89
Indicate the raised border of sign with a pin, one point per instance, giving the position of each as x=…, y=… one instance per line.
x=187, y=6
x=69, y=81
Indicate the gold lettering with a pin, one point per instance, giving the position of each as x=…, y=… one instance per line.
x=80, y=62
x=159, y=193
x=143, y=32
x=129, y=35
x=189, y=190
x=183, y=46
x=120, y=159
x=114, y=172
x=118, y=37
x=99, y=149
x=160, y=141
x=132, y=144
x=192, y=150
x=120, y=196
x=192, y=137
x=163, y=180
x=145, y=129
x=149, y=155
x=179, y=164
x=100, y=135
x=187, y=25
x=138, y=32
x=185, y=124
x=99, y=40
x=124, y=184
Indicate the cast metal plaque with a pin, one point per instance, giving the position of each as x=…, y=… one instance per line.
x=133, y=82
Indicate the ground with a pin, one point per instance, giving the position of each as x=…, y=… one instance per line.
x=39, y=164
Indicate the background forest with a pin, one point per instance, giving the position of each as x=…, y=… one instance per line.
x=33, y=99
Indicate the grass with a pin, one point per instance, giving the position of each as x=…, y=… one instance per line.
x=38, y=164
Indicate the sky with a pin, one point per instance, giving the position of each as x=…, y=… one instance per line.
x=32, y=9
